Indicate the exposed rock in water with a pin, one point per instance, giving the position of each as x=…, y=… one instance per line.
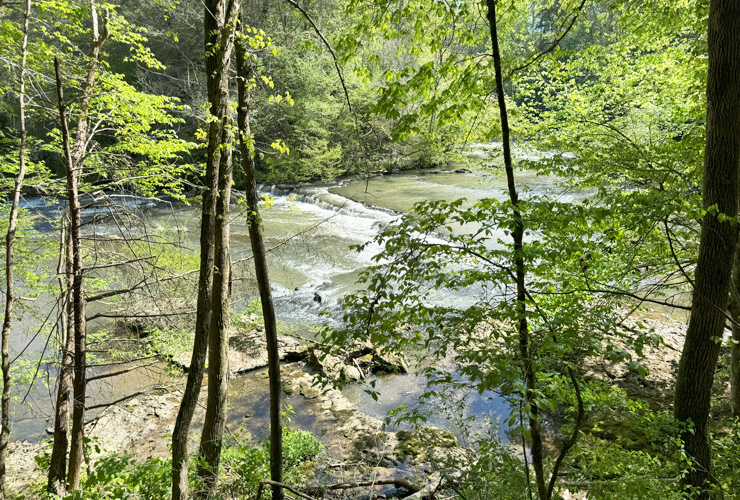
x=248, y=350
x=424, y=443
x=356, y=362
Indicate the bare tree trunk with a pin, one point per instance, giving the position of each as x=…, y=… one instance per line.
x=717, y=245
x=218, y=55
x=57, y=478
x=74, y=155
x=218, y=366
x=521, y=295
x=76, y=291
x=735, y=347
x=260, y=265
x=9, y=261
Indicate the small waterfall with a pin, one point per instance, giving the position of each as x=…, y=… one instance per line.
x=323, y=198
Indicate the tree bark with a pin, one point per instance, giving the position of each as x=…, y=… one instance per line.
x=717, y=244
x=10, y=261
x=217, y=57
x=734, y=310
x=218, y=367
x=74, y=157
x=528, y=373
x=57, y=478
x=260, y=265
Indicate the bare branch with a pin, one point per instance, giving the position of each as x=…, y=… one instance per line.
x=551, y=47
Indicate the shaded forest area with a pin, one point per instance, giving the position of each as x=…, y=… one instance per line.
x=578, y=340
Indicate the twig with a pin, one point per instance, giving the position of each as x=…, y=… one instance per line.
x=105, y=405
x=281, y=485
x=573, y=438
x=552, y=46
x=398, y=482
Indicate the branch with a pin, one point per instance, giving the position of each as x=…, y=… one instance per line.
x=105, y=405
x=115, y=374
x=115, y=264
x=398, y=482
x=675, y=257
x=124, y=362
x=281, y=485
x=549, y=49
x=117, y=316
x=142, y=284
x=574, y=437
x=328, y=46
x=339, y=74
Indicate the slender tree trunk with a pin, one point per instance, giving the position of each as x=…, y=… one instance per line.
x=718, y=240
x=57, y=478
x=76, y=291
x=260, y=261
x=218, y=367
x=734, y=310
x=260, y=266
x=521, y=295
x=74, y=155
x=218, y=54
x=10, y=263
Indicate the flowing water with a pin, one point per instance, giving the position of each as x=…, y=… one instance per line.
x=308, y=230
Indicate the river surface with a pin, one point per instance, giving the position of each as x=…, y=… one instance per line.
x=309, y=230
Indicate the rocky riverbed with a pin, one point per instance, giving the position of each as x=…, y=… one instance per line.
x=141, y=426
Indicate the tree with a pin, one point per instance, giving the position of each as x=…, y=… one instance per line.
x=219, y=23
x=113, y=121
x=515, y=337
x=74, y=154
x=246, y=82
x=717, y=244
x=218, y=366
x=10, y=296
x=517, y=234
x=734, y=310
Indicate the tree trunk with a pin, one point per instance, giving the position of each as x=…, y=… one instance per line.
x=717, y=243
x=218, y=366
x=260, y=266
x=217, y=57
x=528, y=373
x=74, y=156
x=9, y=261
x=76, y=291
x=734, y=310
x=57, y=477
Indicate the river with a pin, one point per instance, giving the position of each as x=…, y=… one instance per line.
x=309, y=229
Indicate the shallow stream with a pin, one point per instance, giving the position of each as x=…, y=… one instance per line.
x=310, y=228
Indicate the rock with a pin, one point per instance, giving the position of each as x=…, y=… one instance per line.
x=356, y=362
x=351, y=373
x=463, y=171
x=329, y=365
x=248, y=349
x=424, y=443
x=389, y=363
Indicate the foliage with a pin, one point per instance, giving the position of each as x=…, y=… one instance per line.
x=120, y=477
x=497, y=473
x=726, y=460
x=251, y=464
